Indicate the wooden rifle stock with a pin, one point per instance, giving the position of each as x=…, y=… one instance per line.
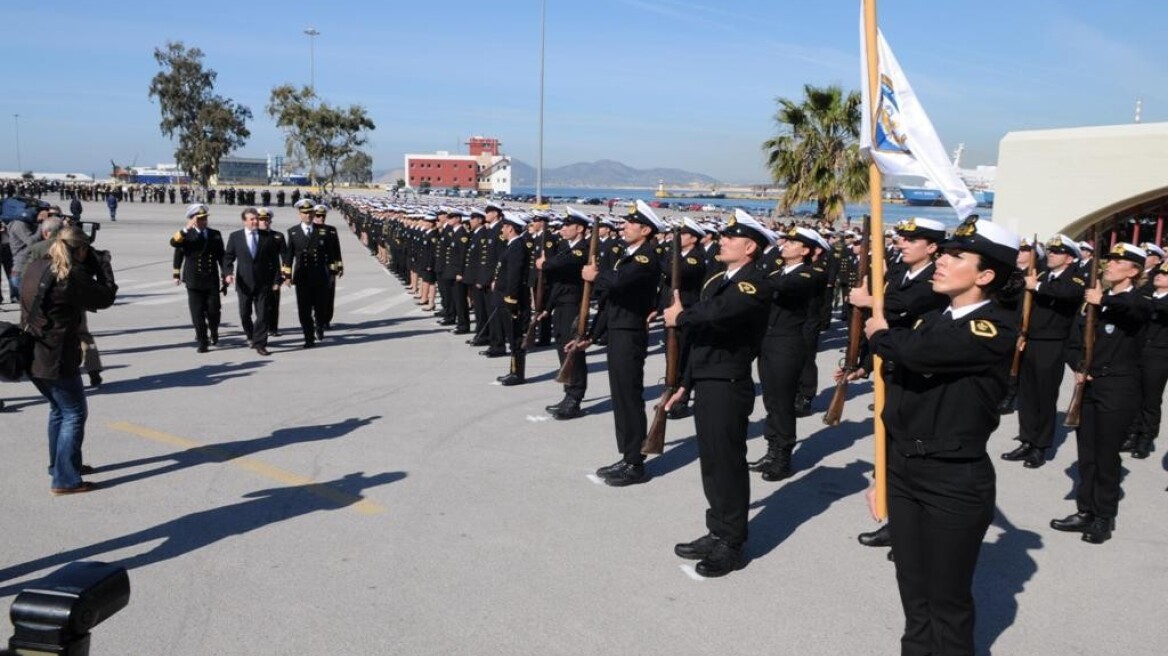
x=1073, y=410
x=565, y=375
x=1027, y=307
x=655, y=438
x=855, y=331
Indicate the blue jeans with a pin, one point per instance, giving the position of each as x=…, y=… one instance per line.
x=14, y=288
x=67, y=414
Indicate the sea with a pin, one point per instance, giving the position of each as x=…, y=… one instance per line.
x=893, y=212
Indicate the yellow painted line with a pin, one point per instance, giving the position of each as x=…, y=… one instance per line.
x=360, y=504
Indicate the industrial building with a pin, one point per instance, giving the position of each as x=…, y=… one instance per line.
x=482, y=169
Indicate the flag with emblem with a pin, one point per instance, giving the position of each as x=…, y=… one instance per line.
x=897, y=133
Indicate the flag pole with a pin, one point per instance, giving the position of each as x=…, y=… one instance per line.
x=876, y=248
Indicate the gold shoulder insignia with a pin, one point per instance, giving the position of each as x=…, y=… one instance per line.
x=805, y=274
x=983, y=328
x=463, y=240
x=642, y=259
x=713, y=278
x=692, y=260
x=548, y=244
x=1080, y=281
x=918, y=323
x=658, y=250
x=616, y=249
x=746, y=288
x=531, y=244
x=578, y=253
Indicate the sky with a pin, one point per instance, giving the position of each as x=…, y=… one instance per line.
x=687, y=84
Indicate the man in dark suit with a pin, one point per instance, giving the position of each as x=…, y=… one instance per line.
x=308, y=259
x=511, y=293
x=257, y=255
x=198, y=252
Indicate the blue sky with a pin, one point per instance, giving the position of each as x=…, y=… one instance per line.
x=673, y=83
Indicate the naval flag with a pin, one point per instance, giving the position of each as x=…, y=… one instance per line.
x=897, y=133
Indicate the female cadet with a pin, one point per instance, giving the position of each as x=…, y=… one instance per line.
x=950, y=371
x=1111, y=398
x=1153, y=367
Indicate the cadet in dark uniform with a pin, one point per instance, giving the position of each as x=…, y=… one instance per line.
x=564, y=287
x=1111, y=398
x=630, y=294
x=446, y=267
x=336, y=267
x=539, y=240
x=1057, y=298
x=265, y=223
x=511, y=295
x=198, y=254
x=1153, y=366
x=471, y=273
x=725, y=328
x=456, y=264
x=808, y=387
x=693, y=277
x=949, y=372
x=308, y=260
x=489, y=263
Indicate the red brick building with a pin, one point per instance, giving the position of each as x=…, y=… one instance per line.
x=483, y=169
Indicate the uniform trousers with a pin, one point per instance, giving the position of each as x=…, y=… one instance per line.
x=1153, y=378
x=626, y=382
x=1110, y=403
x=310, y=304
x=325, y=315
x=496, y=331
x=205, y=312
x=938, y=511
x=253, y=312
x=1039, y=376
x=779, y=365
x=564, y=321
x=809, y=375
x=721, y=414
x=274, y=311
x=478, y=300
x=461, y=309
x=446, y=292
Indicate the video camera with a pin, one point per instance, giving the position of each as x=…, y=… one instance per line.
x=55, y=617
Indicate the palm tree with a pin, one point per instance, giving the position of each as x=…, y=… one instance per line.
x=816, y=154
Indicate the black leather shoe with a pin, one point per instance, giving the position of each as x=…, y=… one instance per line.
x=95, y=379
x=262, y=350
x=723, y=559
x=778, y=469
x=309, y=343
x=802, y=406
x=607, y=470
x=1129, y=442
x=1006, y=406
x=202, y=348
x=214, y=339
x=881, y=537
x=1035, y=459
x=512, y=379
x=568, y=411
x=557, y=405
x=1019, y=453
x=319, y=334
x=891, y=556
x=626, y=474
x=1076, y=523
x=1143, y=448
x=461, y=331
x=698, y=549
x=679, y=411
x=445, y=322
x=478, y=342
x=765, y=461
x=493, y=354
x=1099, y=531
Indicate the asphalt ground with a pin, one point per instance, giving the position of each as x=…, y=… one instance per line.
x=380, y=494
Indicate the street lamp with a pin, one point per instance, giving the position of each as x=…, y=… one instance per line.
x=16, y=118
x=312, y=33
x=539, y=165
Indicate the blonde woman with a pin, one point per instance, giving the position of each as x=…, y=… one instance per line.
x=56, y=292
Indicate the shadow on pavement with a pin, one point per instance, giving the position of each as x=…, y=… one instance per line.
x=828, y=440
x=206, y=375
x=192, y=532
x=1004, y=567
x=228, y=451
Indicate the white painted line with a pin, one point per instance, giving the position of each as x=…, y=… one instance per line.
x=538, y=418
x=356, y=296
x=378, y=308
x=691, y=572
x=497, y=383
x=595, y=479
x=147, y=285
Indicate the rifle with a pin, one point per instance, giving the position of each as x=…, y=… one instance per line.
x=1072, y=417
x=529, y=336
x=1027, y=306
x=565, y=375
x=655, y=438
x=851, y=360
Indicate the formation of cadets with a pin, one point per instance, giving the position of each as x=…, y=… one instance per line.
x=259, y=261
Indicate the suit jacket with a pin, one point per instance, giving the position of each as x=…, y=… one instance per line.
x=197, y=259
x=251, y=274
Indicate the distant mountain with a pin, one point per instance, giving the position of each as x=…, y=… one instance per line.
x=605, y=173
x=389, y=176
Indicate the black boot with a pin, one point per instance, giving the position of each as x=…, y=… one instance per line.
x=802, y=406
x=779, y=468
x=1129, y=442
x=1099, y=531
x=766, y=460
x=518, y=369
x=557, y=405
x=1076, y=523
x=1143, y=447
x=1019, y=453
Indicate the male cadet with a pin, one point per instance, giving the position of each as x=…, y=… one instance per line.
x=265, y=223
x=539, y=240
x=307, y=257
x=630, y=292
x=725, y=328
x=492, y=247
x=257, y=255
x=198, y=254
x=471, y=273
x=1086, y=261
x=1057, y=298
x=563, y=290
x=511, y=294
x=445, y=266
x=693, y=276
x=456, y=266
x=809, y=378
x=1155, y=257
x=336, y=266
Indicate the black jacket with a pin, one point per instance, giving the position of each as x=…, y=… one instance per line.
x=197, y=259
x=629, y=289
x=725, y=327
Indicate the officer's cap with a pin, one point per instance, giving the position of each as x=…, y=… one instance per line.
x=1152, y=249
x=303, y=205
x=1063, y=244
x=320, y=210
x=429, y=218
x=919, y=228
x=479, y=212
x=264, y=213
x=196, y=211
x=1126, y=251
x=692, y=227
x=641, y=213
x=742, y=224
x=1086, y=246
x=577, y=217
x=1162, y=269
x=492, y=207
x=517, y=219
x=454, y=211
x=807, y=236
x=987, y=239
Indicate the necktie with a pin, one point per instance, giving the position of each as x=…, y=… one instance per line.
x=252, y=242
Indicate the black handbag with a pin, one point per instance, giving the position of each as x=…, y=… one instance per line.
x=17, y=342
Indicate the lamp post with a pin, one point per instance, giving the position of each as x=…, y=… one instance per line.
x=16, y=118
x=539, y=164
x=312, y=33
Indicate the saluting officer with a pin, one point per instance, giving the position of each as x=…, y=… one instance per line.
x=561, y=270
x=724, y=330
x=198, y=254
x=630, y=293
